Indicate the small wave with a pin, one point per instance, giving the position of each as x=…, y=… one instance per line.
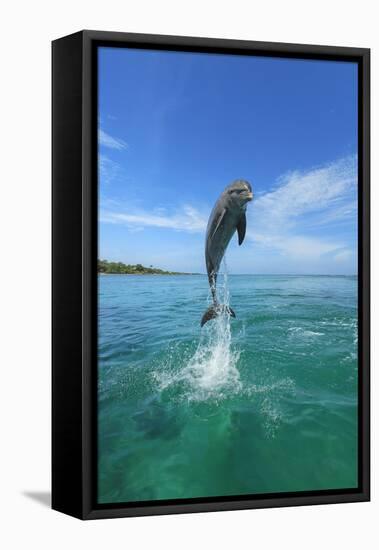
x=352, y=356
x=343, y=323
x=304, y=332
x=286, y=385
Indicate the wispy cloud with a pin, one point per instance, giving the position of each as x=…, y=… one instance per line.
x=107, y=140
x=186, y=218
x=285, y=218
x=109, y=170
x=297, y=245
x=343, y=256
x=325, y=190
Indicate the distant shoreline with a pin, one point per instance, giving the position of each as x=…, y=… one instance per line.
x=142, y=274
x=105, y=267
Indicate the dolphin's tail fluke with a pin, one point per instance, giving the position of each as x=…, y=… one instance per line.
x=214, y=311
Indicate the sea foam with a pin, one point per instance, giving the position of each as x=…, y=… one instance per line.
x=211, y=372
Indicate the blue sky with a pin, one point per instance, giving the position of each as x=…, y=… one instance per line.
x=175, y=128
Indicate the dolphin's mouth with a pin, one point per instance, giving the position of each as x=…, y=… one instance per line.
x=249, y=196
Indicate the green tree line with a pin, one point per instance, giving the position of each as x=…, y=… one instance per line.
x=103, y=266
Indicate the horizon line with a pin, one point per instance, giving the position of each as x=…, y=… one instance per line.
x=251, y=274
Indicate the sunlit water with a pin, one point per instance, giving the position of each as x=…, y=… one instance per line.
x=263, y=403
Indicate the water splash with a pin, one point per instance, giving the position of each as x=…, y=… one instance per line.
x=211, y=372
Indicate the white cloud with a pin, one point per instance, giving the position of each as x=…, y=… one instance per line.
x=344, y=256
x=187, y=219
x=280, y=219
x=298, y=246
x=315, y=190
x=108, y=170
x=108, y=141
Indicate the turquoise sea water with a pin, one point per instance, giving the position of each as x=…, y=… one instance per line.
x=263, y=403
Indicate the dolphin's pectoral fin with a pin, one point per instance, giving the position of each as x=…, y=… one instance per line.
x=216, y=310
x=218, y=223
x=241, y=228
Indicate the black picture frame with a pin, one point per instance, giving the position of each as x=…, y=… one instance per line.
x=74, y=273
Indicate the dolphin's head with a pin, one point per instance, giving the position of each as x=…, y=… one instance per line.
x=239, y=193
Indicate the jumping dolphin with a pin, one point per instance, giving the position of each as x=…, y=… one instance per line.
x=227, y=216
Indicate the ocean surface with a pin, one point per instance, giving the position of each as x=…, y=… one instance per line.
x=263, y=403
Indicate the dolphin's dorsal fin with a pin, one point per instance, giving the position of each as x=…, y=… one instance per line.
x=218, y=222
x=241, y=228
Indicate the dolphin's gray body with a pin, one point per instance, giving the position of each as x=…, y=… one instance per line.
x=227, y=217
